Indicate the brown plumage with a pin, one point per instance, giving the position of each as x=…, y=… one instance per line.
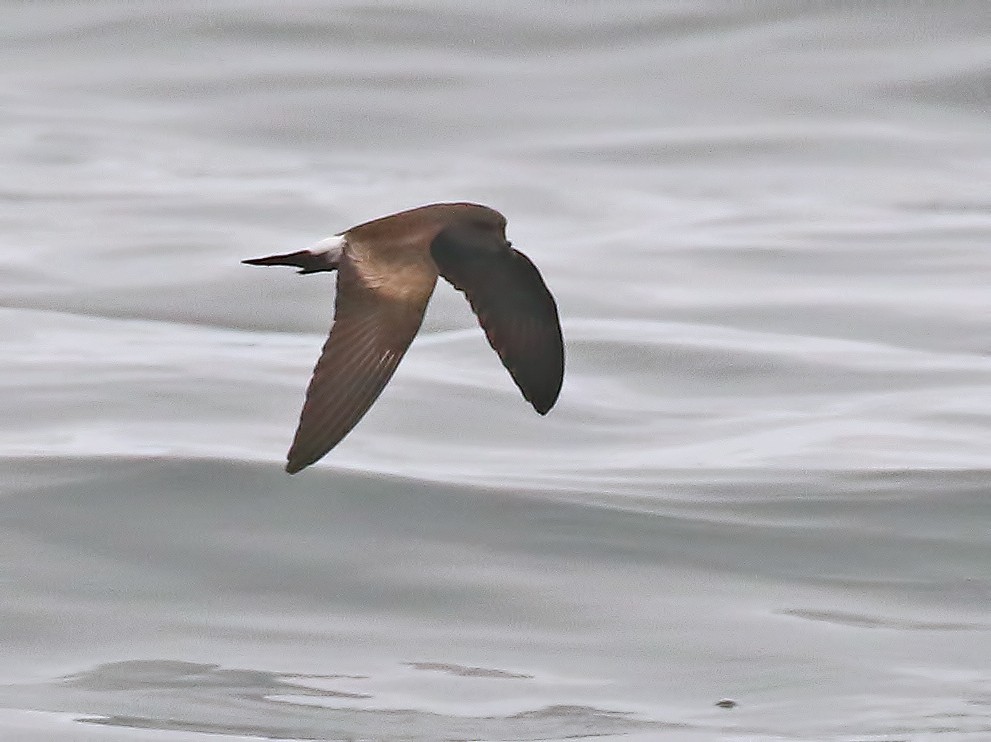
x=386, y=273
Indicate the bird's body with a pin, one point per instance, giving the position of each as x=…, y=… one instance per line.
x=386, y=273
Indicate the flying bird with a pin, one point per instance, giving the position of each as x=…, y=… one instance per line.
x=386, y=272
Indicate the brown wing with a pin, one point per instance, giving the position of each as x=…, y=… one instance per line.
x=513, y=306
x=370, y=335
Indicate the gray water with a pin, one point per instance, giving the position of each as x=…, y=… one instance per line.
x=766, y=480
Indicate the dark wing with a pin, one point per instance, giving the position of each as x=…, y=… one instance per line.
x=370, y=335
x=513, y=306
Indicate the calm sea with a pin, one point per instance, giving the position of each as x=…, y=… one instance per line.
x=766, y=482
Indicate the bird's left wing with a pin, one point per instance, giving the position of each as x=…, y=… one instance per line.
x=373, y=327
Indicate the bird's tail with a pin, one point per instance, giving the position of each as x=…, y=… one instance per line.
x=307, y=261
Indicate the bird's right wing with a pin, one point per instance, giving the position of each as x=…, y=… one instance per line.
x=371, y=332
x=513, y=306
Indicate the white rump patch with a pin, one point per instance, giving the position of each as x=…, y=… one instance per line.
x=331, y=245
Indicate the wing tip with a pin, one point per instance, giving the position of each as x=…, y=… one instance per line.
x=544, y=405
x=541, y=394
x=292, y=467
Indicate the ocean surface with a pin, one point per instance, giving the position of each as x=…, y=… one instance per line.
x=761, y=509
